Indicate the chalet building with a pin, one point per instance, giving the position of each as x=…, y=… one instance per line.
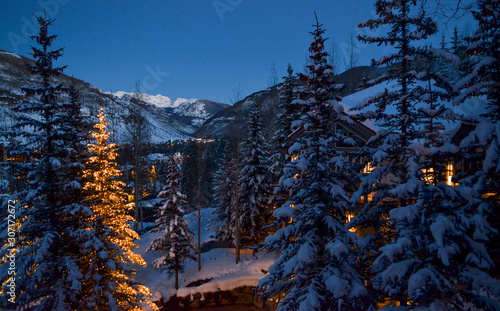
x=358, y=131
x=3, y=152
x=361, y=133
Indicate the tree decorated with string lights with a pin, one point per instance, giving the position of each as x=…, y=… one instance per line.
x=109, y=283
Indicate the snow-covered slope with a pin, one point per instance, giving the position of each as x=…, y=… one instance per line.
x=192, y=112
x=223, y=123
x=170, y=119
x=156, y=100
x=219, y=270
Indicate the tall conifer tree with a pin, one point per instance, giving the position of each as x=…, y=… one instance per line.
x=420, y=262
x=255, y=181
x=49, y=275
x=316, y=269
x=109, y=283
x=176, y=244
x=482, y=84
x=287, y=113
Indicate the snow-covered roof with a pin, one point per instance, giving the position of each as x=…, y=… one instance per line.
x=471, y=109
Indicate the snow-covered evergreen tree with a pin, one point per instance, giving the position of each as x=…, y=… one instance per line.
x=223, y=222
x=287, y=113
x=109, y=283
x=396, y=113
x=483, y=84
x=438, y=242
x=49, y=234
x=176, y=244
x=74, y=152
x=316, y=269
x=255, y=182
x=458, y=46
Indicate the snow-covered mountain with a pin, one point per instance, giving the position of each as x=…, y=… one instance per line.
x=170, y=119
x=223, y=123
x=192, y=112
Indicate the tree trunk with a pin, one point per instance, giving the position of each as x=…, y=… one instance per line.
x=142, y=219
x=136, y=189
x=236, y=194
x=199, y=224
x=176, y=274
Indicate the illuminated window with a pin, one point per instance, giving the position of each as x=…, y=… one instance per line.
x=448, y=174
x=450, y=171
x=368, y=168
x=349, y=217
x=369, y=197
x=428, y=175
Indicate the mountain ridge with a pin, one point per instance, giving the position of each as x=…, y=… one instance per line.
x=170, y=119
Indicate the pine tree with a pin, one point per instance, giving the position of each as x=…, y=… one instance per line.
x=457, y=44
x=396, y=113
x=109, y=283
x=48, y=264
x=316, y=268
x=255, y=182
x=442, y=44
x=74, y=152
x=441, y=226
x=224, y=180
x=459, y=48
x=283, y=123
x=176, y=245
x=422, y=261
x=483, y=144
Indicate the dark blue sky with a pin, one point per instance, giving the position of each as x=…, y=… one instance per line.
x=192, y=49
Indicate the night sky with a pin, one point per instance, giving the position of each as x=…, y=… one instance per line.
x=191, y=49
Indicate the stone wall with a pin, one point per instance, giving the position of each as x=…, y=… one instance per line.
x=242, y=298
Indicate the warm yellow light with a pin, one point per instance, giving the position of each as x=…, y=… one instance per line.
x=428, y=175
x=368, y=168
x=450, y=171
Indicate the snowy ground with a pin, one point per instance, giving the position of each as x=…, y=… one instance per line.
x=218, y=266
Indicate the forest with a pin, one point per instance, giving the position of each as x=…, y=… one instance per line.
x=377, y=192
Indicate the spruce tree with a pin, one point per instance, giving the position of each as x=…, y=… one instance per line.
x=74, y=152
x=483, y=85
x=441, y=226
x=457, y=44
x=287, y=113
x=396, y=114
x=255, y=182
x=224, y=180
x=109, y=283
x=176, y=244
x=420, y=260
x=49, y=235
x=316, y=267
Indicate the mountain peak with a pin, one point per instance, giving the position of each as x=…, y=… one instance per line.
x=158, y=100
